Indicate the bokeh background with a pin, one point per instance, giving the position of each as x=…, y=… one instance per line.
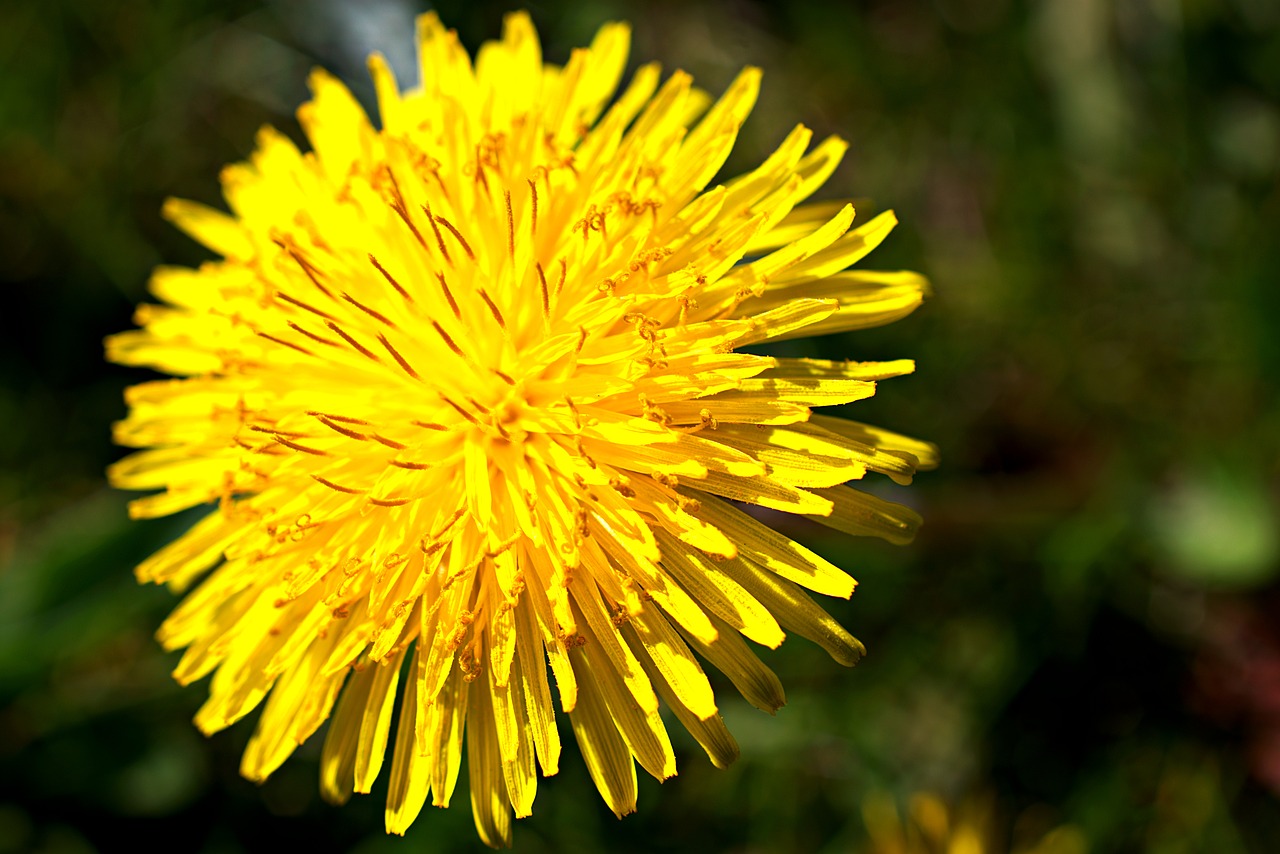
x=1085, y=635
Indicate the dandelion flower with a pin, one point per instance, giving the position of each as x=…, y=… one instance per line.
x=468, y=392
x=931, y=827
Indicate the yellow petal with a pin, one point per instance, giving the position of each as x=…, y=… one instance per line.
x=730, y=655
x=778, y=553
x=489, y=805
x=408, y=788
x=861, y=514
x=602, y=747
x=721, y=595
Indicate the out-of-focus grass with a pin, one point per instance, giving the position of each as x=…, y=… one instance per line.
x=1083, y=632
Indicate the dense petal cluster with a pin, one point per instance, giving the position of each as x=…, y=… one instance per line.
x=468, y=394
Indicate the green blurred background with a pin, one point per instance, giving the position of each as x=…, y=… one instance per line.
x=1087, y=631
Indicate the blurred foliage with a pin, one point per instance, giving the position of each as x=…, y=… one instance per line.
x=1083, y=635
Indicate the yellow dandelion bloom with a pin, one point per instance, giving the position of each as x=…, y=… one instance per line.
x=469, y=395
x=931, y=827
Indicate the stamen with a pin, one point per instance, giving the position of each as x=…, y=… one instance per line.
x=447, y=340
x=448, y=294
x=349, y=433
x=503, y=546
x=399, y=208
x=464, y=413
x=297, y=347
x=511, y=227
x=708, y=423
x=623, y=486
x=686, y=303
x=506, y=378
x=577, y=416
x=542, y=281
x=348, y=490
x=533, y=194
x=400, y=360
x=497, y=315
x=304, y=306
x=344, y=418
x=376, y=315
x=450, y=522
x=404, y=464
x=353, y=342
x=258, y=428
x=390, y=279
x=466, y=246
x=303, y=448
x=582, y=451
x=389, y=502
x=429, y=425
x=390, y=443
x=288, y=245
x=314, y=337
x=439, y=237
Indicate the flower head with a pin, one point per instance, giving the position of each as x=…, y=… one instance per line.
x=930, y=825
x=469, y=396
